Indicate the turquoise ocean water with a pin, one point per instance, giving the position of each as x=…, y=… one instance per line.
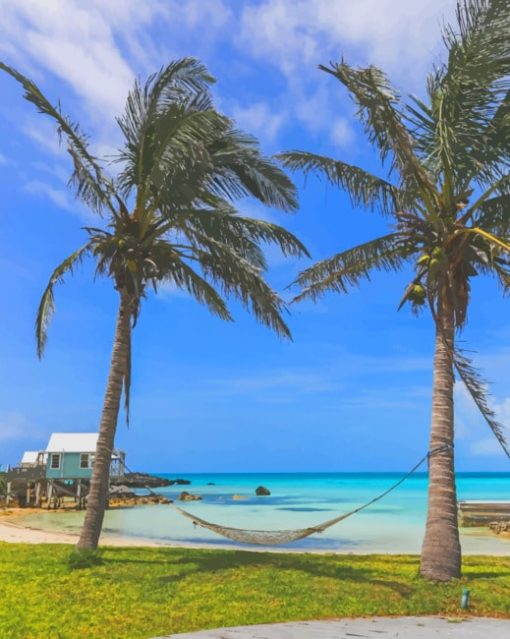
x=394, y=524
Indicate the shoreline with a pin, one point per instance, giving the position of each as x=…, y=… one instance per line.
x=13, y=530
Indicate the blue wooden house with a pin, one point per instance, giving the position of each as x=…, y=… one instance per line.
x=71, y=456
x=59, y=472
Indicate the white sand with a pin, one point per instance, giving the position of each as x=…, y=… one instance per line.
x=13, y=531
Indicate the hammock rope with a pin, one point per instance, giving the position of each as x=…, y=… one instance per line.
x=278, y=537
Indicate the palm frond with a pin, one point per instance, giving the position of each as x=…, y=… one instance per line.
x=364, y=189
x=47, y=303
x=239, y=279
x=502, y=273
x=167, y=116
x=499, y=186
x=348, y=268
x=495, y=214
x=380, y=112
x=177, y=272
x=492, y=239
x=469, y=92
x=224, y=225
x=476, y=387
x=88, y=178
x=238, y=161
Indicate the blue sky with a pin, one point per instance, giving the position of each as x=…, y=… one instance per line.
x=352, y=391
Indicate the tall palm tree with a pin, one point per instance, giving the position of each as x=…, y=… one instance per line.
x=169, y=217
x=446, y=193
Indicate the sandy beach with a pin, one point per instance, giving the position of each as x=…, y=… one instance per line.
x=13, y=530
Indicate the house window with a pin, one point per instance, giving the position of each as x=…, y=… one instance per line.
x=85, y=460
x=55, y=461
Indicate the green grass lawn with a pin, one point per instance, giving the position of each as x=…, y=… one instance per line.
x=144, y=592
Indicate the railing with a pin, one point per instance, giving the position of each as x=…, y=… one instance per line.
x=35, y=472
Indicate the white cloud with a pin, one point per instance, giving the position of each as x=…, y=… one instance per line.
x=295, y=381
x=74, y=41
x=503, y=411
x=96, y=48
x=194, y=13
x=14, y=426
x=471, y=426
x=395, y=34
x=296, y=35
x=55, y=170
x=167, y=289
x=259, y=119
x=44, y=133
x=3, y=159
x=342, y=134
x=58, y=196
x=489, y=446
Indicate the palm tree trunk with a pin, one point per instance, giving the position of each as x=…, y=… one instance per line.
x=441, y=553
x=99, y=485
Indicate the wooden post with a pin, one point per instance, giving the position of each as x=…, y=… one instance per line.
x=50, y=494
x=8, y=497
x=38, y=494
x=78, y=494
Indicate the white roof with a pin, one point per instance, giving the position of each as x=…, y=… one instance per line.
x=72, y=443
x=29, y=457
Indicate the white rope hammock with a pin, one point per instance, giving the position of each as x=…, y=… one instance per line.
x=261, y=537
x=278, y=537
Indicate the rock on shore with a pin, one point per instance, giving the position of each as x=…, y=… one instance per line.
x=185, y=496
x=500, y=527
x=121, y=495
x=144, y=480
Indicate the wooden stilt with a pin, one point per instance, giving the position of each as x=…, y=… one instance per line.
x=50, y=494
x=8, y=499
x=38, y=494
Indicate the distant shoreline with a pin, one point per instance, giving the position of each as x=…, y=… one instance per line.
x=278, y=473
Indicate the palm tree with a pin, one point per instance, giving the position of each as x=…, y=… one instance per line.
x=446, y=193
x=169, y=217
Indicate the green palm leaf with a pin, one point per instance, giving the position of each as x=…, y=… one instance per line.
x=226, y=226
x=239, y=279
x=379, y=111
x=363, y=188
x=47, y=303
x=346, y=269
x=88, y=177
x=477, y=388
x=239, y=163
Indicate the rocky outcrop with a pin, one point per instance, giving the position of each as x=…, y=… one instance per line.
x=144, y=480
x=121, y=496
x=185, y=496
x=121, y=491
x=262, y=490
x=500, y=527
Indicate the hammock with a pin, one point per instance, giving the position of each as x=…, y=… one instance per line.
x=261, y=537
x=278, y=537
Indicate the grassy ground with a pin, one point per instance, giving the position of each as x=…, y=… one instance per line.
x=144, y=592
